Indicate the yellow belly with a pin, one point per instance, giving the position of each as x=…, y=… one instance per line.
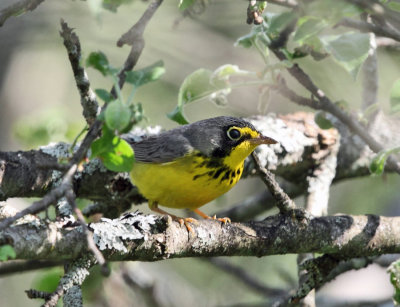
x=188, y=182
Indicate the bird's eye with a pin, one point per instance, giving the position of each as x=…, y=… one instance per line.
x=234, y=134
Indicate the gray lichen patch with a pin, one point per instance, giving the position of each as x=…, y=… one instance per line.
x=290, y=141
x=57, y=150
x=111, y=234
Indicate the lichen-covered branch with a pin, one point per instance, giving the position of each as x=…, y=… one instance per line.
x=89, y=102
x=150, y=238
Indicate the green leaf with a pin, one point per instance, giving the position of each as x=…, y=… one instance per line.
x=394, y=271
x=98, y=60
x=308, y=26
x=279, y=22
x=258, y=38
x=349, y=50
x=332, y=11
x=7, y=252
x=321, y=120
x=184, y=4
x=103, y=144
x=121, y=158
x=195, y=86
x=177, y=116
x=377, y=165
x=246, y=41
x=116, y=154
x=223, y=73
x=146, y=75
x=395, y=96
x=112, y=5
x=104, y=95
x=117, y=115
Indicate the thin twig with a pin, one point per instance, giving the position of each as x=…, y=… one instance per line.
x=47, y=200
x=324, y=103
x=89, y=102
x=284, y=202
x=321, y=270
x=378, y=10
x=52, y=299
x=70, y=196
x=134, y=37
x=18, y=8
x=370, y=76
x=32, y=294
x=18, y=266
x=369, y=27
x=246, y=278
x=146, y=288
x=259, y=203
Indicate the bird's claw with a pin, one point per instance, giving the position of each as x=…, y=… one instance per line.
x=186, y=221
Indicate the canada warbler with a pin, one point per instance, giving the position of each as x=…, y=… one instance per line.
x=191, y=165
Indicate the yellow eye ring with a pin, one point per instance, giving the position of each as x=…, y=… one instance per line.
x=234, y=134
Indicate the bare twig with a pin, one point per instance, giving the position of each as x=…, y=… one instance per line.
x=369, y=27
x=18, y=266
x=378, y=10
x=70, y=196
x=257, y=204
x=47, y=200
x=134, y=37
x=370, y=76
x=18, y=8
x=146, y=287
x=89, y=102
x=284, y=202
x=324, y=103
x=321, y=270
x=32, y=294
x=51, y=299
x=246, y=278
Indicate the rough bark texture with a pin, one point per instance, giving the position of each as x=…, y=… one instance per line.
x=342, y=236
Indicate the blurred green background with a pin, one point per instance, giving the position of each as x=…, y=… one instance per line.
x=40, y=104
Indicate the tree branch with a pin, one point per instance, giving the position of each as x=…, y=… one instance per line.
x=324, y=103
x=18, y=8
x=369, y=27
x=89, y=102
x=147, y=238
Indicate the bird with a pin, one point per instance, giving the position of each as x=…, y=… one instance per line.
x=191, y=165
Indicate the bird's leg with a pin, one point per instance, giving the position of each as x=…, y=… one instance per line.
x=182, y=221
x=205, y=216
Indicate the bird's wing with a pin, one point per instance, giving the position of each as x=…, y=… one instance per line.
x=162, y=148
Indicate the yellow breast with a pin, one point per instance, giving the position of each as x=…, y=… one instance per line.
x=188, y=182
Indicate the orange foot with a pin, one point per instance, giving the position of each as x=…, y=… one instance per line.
x=186, y=221
x=221, y=219
x=182, y=221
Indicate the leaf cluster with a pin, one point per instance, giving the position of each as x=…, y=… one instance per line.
x=119, y=114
